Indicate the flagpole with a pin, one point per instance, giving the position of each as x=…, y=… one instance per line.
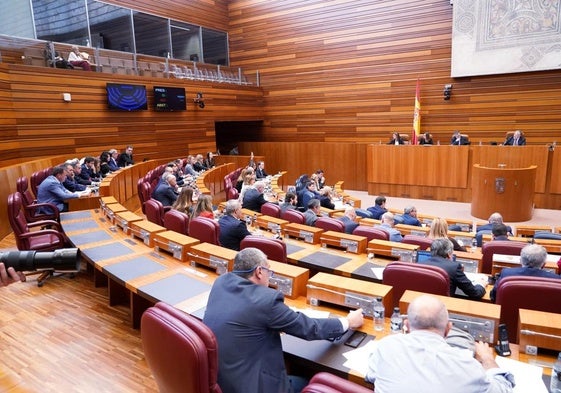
x=417, y=115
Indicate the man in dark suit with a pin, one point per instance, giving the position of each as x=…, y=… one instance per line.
x=125, y=158
x=260, y=171
x=458, y=139
x=232, y=229
x=379, y=208
x=165, y=191
x=253, y=198
x=441, y=256
x=532, y=259
x=516, y=139
x=495, y=218
x=247, y=318
x=349, y=219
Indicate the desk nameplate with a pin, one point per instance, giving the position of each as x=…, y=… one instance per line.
x=304, y=232
x=218, y=258
x=175, y=243
x=351, y=243
x=146, y=231
x=538, y=329
x=124, y=219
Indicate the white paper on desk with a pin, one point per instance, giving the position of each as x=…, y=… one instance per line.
x=528, y=378
x=378, y=272
x=310, y=313
x=357, y=359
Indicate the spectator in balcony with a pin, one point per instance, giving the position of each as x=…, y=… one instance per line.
x=79, y=59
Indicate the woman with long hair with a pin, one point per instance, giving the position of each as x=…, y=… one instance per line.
x=439, y=229
x=184, y=202
x=204, y=207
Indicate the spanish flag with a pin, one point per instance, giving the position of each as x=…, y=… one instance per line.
x=416, y=116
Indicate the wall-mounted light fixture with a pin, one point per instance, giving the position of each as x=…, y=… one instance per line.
x=66, y=97
x=447, y=91
x=199, y=100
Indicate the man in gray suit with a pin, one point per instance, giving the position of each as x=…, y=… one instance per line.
x=247, y=318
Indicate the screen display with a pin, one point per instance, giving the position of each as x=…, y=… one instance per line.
x=126, y=97
x=169, y=98
x=423, y=255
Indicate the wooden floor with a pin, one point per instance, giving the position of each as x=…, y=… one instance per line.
x=64, y=337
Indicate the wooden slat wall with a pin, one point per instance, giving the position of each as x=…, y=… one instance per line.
x=346, y=70
x=36, y=122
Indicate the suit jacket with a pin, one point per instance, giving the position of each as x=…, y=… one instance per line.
x=395, y=235
x=124, y=160
x=113, y=166
x=232, y=232
x=260, y=173
x=408, y=219
x=510, y=141
x=52, y=191
x=310, y=217
x=325, y=201
x=350, y=225
x=72, y=185
x=165, y=194
x=459, y=141
x=247, y=320
x=458, y=279
x=253, y=200
x=376, y=211
x=520, y=271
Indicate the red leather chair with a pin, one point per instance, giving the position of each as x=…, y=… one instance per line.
x=275, y=249
x=233, y=193
x=294, y=216
x=271, y=210
x=144, y=192
x=423, y=278
x=176, y=221
x=154, y=211
x=328, y=383
x=505, y=247
x=371, y=233
x=330, y=224
x=532, y=293
x=31, y=208
x=205, y=229
x=180, y=350
x=421, y=241
x=50, y=239
x=37, y=178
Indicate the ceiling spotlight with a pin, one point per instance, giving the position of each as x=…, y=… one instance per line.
x=199, y=100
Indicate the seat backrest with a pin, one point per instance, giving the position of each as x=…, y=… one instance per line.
x=275, y=249
x=421, y=241
x=293, y=216
x=371, y=233
x=17, y=219
x=324, y=382
x=505, y=247
x=423, y=278
x=154, y=211
x=22, y=186
x=176, y=221
x=271, y=210
x=233, y=193
x=330, y=224
x=144, y=193
x=205, y=229
x=36, y=179
x=532, y=293
x=547, y=235
x=180, y=350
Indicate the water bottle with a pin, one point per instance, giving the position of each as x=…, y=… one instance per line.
x=396, y=322
x=555, y=384
x=473, y=245
x=378, y=314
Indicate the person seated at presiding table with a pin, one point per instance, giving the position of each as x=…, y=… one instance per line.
x=516, y=139
x=426, y=139
x=379, y=208
x=532, y=261
x=396, y=139
x=458, y=139
x=113, y=156
x=326, y=198
x=232, y=228
x=495, y=218
x=349, y=219
x=184, y=202
x=79, y=59
x=125, y=158
x=422, y=360
x=52, y=191
x=409, y=217
x=439, y=229
x=166, y=190
x=70, y=182
x=387, y=225
x=290, y=202
x=312, y=213
x=260, y=172
x=247, y=318
x=204, y=207
x=253, y=198
x=442, y=252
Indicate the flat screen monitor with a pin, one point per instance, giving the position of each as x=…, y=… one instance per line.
x=423, y=255
x=169, y=99
x=126, y=97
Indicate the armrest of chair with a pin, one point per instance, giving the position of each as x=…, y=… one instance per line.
x=34, y=210
x=29, y=235
x=338, y=383
x=44, y=223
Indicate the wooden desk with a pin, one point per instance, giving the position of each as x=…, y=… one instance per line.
x=501, y=261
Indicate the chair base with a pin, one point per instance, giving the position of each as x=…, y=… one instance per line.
x=45, y=274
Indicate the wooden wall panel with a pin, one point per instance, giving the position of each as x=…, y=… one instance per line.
x=346, y=70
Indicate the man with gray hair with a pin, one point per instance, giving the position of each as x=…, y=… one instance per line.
x=166, y=191
x=409, y=216
x=232, y=228
x=247, y=318
x=253, y=198
x=422, y=361
x=311, y=215
x=387, y=226
x=495, y=218
x=532, y=259
x=442, y=251
x=349, y=219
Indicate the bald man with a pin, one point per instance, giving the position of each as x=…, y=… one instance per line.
x=422, y=361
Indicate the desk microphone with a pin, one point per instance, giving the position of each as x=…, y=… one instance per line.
x=527, y=332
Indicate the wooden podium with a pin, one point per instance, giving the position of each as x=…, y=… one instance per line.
x=509, y=191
